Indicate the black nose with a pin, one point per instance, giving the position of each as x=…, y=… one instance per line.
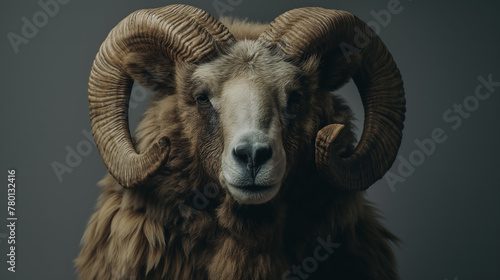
x=253, y=155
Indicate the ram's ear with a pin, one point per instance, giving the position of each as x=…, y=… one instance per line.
x=337, y=68
x=153, y=72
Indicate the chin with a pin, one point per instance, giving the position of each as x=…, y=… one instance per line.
x=253, y=194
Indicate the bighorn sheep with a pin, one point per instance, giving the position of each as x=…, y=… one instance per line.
x=247, y=110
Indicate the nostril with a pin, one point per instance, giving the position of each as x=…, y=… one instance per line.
x=262, y=153
x=243, y=152
x=252, y=156
x=256, y=154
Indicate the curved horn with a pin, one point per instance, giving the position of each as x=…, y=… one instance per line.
x=305, y=31
x=180, y=32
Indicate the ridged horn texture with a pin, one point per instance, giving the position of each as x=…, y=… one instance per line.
x=302, y=32
x=179, y=32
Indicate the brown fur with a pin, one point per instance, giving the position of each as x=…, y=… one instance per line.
x=156, y=231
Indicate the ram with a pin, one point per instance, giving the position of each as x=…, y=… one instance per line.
x=245, y=164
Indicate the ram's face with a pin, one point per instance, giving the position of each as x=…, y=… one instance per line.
x=234, y=107
x=246, y=97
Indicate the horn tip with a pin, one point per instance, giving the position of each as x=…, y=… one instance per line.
x=330, y=132
x=164, y=142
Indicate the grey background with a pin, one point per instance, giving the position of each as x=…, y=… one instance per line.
x=447, y=212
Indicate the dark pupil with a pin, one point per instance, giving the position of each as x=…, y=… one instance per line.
x=294, y=98
x=203, y=99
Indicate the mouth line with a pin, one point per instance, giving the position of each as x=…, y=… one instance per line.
x=254, y=188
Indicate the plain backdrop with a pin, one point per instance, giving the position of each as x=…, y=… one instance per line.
x=445, y=209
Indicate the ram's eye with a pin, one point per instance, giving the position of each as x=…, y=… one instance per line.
x=203, y=100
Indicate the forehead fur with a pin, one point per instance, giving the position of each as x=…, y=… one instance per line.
x=248, y=59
